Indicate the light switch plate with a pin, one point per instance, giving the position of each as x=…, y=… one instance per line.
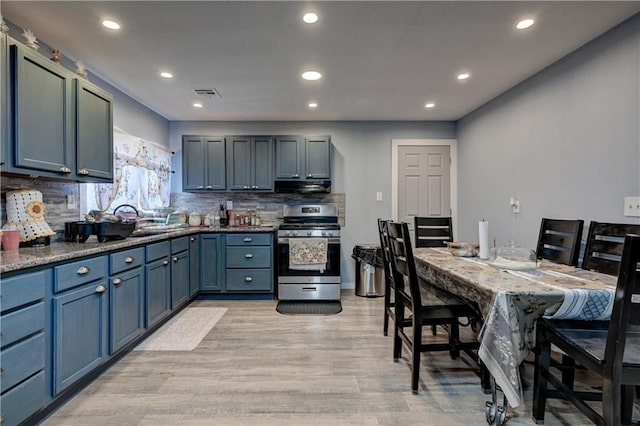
x=378, y=196
x=632, y=206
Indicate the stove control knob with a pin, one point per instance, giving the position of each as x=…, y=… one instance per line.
x=324, y=233
x=295, y=233
x=309, y=233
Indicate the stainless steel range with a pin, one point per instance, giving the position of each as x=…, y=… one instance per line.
x=309, y=253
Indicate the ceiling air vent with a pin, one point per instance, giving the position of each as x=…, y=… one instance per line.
x=208, y=92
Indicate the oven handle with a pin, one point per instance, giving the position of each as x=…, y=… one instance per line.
x=329, y=240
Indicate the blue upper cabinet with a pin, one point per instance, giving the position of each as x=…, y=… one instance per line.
x=94, y=132
x=250, y=163
x=300, y=157
x=59, y=125
x=203, y=163
x=3, y=100
x=42, y=131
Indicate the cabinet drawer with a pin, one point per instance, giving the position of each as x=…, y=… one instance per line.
x=80, y=272
x=249, y=280
x=158, y=250
x=248, y=257
x=179, y=244
x=249, y=239
x=21, y=323
x=22, y=289
x=21, y=361
x=124, y=260
x=24, y=400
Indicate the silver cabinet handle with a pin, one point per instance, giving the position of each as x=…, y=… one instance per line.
x=1, y=371
x=83, y=171
x=200, y=187
x=83, y=270
x=248, y=255
x=208, y=186
x=166, y=262
x=65, y=169
x=117, y=281
x=128, y=259
x=296, y=175
x=309, y=176
x=248, y=279
x=175, y=258
x=193, y=238
x=101, y=289
x=248, y=239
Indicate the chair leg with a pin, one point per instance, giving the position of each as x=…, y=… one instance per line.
x=628, y=397
x=454, y=339
x=611, y=401
x=415, y=354
x=397, y=325
x=434, y=330
x=568, y=371
x=542, y=362
x=387, y=300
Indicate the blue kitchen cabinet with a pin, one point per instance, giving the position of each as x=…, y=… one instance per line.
x=180, y=286
x=300, y=157
x=80, y=325
x=158, y=282
x=94, y=132
x=126, y=297
x=249, y=263
x=24, y=354
x=250, y=163
x=42, y=132
x=194, y=265
x=203, y=163
x=211, y=266
x=4, y=138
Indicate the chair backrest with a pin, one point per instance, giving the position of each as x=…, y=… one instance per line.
x=403, y=265
x=559, y=240
x=383, y=232
x=604, y=246
x=626, y=304
x=433, y=231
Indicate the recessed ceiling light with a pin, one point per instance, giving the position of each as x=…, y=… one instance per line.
x=430, y=105
x=311, y=75
x=524, y=24
x=464, y=76
x=166, y=75
x=313, y=105
x=112, y=25
x=310, y=18
x=197, y=105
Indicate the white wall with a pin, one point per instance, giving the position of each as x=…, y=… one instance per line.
x=361, y=164
x=565, y=142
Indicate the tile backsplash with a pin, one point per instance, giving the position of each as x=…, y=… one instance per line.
x=54, y=195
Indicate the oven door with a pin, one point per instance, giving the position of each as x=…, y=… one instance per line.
x=331, y=273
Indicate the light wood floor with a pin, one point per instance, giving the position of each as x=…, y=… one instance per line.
x=258, y=367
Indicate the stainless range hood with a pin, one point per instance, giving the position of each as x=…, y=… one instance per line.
x=303, y=186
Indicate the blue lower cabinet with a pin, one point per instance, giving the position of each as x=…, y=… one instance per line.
x=20, y=402
x=158, y=294
x=211, y=264
x=179, y=279
x=194, y=265
x=126, y=308
x=80, y=328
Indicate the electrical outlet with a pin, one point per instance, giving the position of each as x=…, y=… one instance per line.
x=632, y=206
x=378, y=196
x=71, y=201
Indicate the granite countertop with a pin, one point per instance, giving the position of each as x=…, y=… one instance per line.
x=62, y=251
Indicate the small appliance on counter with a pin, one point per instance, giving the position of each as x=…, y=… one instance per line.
x=25, y=211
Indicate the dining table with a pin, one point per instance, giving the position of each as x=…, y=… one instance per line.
x=509, y=302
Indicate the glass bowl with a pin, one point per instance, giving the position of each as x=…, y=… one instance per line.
x=463, y=249
x=512, y=256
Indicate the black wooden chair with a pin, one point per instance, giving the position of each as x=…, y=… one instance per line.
x=611, y=349
x=433, y=231
x=604, y=246
x=559, y=240
x=424, y=308
x=389, y=287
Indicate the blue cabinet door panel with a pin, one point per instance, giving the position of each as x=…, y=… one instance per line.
x=249, y=280
x=125, y=260
x=78, y=273
x=126, y=308
x=248, y=257
x=22, y=323
x=80, y=333
x=194, y=265
x=94, y=132
x=23, y=400
x=211, y=267
x=21, y=361
x=243, y=239
x=158, y=290
x=179, y=279
x=43, y=133
x=22, y=289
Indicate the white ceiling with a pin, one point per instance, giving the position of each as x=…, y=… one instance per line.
x=381, y=60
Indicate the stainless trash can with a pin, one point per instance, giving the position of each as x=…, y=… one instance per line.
x=369, y=270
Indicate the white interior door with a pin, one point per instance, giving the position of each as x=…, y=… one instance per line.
x=424, y=179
